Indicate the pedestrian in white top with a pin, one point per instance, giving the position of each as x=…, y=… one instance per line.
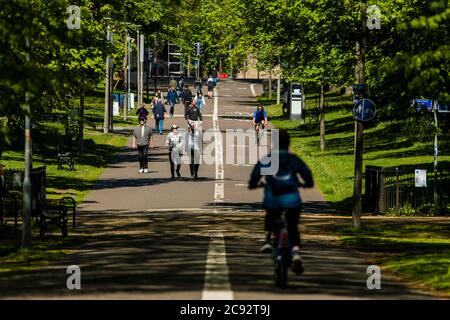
x=199, y=100
x=194, y=145
x=175, y=143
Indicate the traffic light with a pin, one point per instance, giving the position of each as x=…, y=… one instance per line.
x=198, y=48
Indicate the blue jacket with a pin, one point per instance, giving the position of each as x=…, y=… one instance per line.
x=172, y=97
x=296, y=166
x=159, y=110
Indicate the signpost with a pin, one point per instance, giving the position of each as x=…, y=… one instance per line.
x=420, y=178
x=364, y=110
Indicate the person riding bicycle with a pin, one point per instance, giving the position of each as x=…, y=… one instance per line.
x=281, y=194
x=259, y=118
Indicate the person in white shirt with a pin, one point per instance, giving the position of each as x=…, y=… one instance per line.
x=194, y=145
x=175, y=143
x=199, y=100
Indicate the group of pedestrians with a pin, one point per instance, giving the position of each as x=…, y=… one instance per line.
x=175, y=141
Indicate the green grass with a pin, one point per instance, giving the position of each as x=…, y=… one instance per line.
x=14, y=259
x=384, y=145
x=100, y=149
x=415, y=251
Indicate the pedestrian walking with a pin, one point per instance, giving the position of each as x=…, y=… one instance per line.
x=173, y=83
x=186, y=98
x=142, y=112
x=210, y=84
x=215, y=76
x=159, y=111
x=180, y=85
x=193, y=113
x=194, y=148
x=172, y=98
x=142, y=139
x=198, y=84
x=200, y=100
x=175, y=144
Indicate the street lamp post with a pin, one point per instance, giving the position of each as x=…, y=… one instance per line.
x=359, y=126
x=26, y=231
x=138, y=64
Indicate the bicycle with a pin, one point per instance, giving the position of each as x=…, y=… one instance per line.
x=259, y=128
x=282, y=249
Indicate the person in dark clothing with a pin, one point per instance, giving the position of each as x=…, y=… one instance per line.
x=193, y=113
x=215, y=76
x=172, y=98
x=142, y=113
x=186, y=98
x=281, y=194
x=142, y=138
x=159, y=112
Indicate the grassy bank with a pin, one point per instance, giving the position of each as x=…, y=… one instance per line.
x=100, y=149
x=385, y=144
x=14, y=259
x=417, y=252
x=413, y=250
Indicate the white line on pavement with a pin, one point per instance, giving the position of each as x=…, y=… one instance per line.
x=217, y=279
x=219, y=187
x=252, y=86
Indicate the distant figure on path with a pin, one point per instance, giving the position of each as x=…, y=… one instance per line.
x=142, y=112
x=186, y=98
x=175, y=143
x=173, y=83
x=215, y=76
x=200, y=100
x=172, y=98
x=211, y=85
x=142, y=138
x=159, y=112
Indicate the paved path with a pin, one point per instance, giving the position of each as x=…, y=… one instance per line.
x=156, y=238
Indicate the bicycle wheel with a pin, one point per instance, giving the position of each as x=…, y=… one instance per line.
x=281, y=271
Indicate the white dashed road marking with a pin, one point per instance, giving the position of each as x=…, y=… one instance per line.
x=217, y=279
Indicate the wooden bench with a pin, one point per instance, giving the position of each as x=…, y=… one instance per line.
x=11, y=194
x=50, y=212
x=45, y=212
x=65, y=158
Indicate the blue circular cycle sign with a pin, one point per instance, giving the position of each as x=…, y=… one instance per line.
x=364, y=110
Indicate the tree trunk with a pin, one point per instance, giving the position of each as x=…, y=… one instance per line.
x=81, y=125
x=107, y=97
x=322, y=119
x=270, y=85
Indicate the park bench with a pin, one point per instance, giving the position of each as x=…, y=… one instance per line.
x=65, y=158
x=50, y=212
x=11, y=194
x=45, y=212
x=66, y=155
